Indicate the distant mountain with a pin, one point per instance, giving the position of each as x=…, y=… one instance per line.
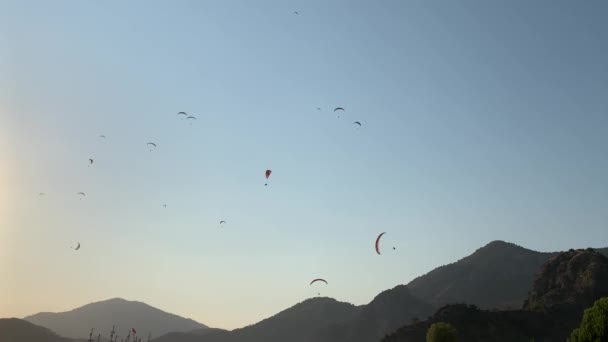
x=498, y=275
x=17, y=330
x=298, y=323
x=384, y=314
x=324, y=319
x=567, y=284
x=119, y=312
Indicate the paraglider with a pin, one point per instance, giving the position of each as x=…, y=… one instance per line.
x=318, y=108
x=378, y=243
x=191, y=118
x=338, y=108
x=268, y=172
x=102, y=136
x=164, y=205
x=296, y=13
x=81, y=194
x=182, y=113
x=77, y=247
x=151, y=144
x=357, y=123
x=316, y=280
x=90, y=162
x=222, y=222
x=41, y=194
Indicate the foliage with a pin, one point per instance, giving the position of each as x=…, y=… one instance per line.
x=594, y=326
x=441, y=332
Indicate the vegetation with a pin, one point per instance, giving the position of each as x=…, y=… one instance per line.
x=441, y=332
x=594, y=327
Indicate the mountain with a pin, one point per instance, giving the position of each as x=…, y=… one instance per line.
x=385, y=313
x=497, y=275
x=17, y=330
x=326, y=320
x=298, y=323
x=567, y=284
x=475, y=325
x=576, y=279
x=119, y=312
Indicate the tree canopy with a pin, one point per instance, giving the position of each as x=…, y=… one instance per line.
x=594, y=326
x=441, y=332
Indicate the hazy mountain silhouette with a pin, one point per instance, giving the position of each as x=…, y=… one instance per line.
x=122, y=313
x=324, y=319
x=299, y=323
x=17, y=330
x=567, y=284
x=498, y=275
x=384, y=314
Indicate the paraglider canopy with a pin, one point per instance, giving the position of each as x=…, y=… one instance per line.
x=151, y=144
x=378, y=243
x=357, y=123
x=222, y=222
x=90, y=161
x=316, y=280
x=81, y=193
x=182, y=113
x=77, y=247
x=338, y=108
x=268, y=172
x=102, y=136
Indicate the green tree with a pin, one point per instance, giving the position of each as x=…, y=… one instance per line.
x=594, y=327
x=441, y=332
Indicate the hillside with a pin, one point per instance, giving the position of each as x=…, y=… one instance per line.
x=576, y=278
x=17, y=330
x=567, y=283
x=324, y=319
x=498, y=275
x=298, y=323
x=385, y=313
x=123, y=314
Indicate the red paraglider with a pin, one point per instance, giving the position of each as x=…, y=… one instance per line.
x=268, y=172
x=378, y=243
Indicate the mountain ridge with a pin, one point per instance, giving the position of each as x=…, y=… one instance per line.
x=18, y=330
x=119, y=312
x=496, y=275
x=567, y=284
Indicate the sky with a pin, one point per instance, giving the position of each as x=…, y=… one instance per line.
x=481, y=121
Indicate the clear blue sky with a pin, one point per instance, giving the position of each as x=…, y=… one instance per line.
x=482, y=120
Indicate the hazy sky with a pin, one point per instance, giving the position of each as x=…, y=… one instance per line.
x=482, y=120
